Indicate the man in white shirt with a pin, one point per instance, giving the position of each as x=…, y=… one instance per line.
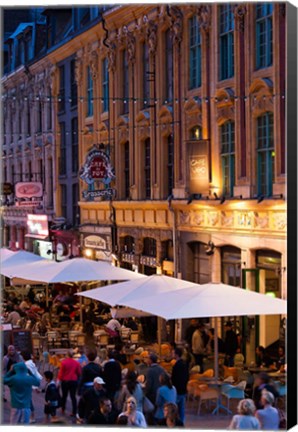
x=114, y=325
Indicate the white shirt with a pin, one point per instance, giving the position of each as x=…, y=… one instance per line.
x=114, y=325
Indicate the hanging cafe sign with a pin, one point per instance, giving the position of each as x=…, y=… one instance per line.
x=97, y=168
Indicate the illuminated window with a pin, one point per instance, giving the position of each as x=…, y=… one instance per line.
x=125, y=77
x=147, y=168
x=227, y=137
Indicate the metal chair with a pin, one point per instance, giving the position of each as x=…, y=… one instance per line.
x=207, y=395
x=53, y=339
x=233, y=391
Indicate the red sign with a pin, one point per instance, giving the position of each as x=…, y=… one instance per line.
x=28, y=189
x=98, y=167
x=38, y=224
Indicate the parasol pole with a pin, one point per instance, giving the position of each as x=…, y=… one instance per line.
x=216, y=348
x=47, y=296
x=81, y=302
x=159, y=324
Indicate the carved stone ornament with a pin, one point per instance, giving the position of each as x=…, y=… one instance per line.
x=131, y=48
x=225, y=113
x=177, y=23
x=53, y=80
x=184, y=218
x=227, y=219
x=213, y=218
x=152, y=37
x=239, y=13
x=198, y=218
x=94, y=64
x=204, y=16
x=280, y=221
x=261, y=221
x=112, y=57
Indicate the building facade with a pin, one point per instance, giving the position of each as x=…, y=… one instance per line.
x=186, y=106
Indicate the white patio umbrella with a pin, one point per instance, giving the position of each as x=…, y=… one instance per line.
x=5, y=253
x=126, y=312
x=18, y=260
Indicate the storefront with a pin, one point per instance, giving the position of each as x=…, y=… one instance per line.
x=96, y=242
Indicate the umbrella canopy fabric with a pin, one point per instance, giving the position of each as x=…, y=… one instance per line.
x=126, y=312
x=17, y=260
x=209, y=300
x=74, y=270
x=138, y=290
x=5, y=253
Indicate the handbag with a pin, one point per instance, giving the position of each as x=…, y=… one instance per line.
x=148, y=406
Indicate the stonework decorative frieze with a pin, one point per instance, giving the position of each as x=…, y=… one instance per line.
x=261, y=220
x=280, y=221
x=111, y=53
x=198, y=218
x=151, y=33
x=131, y=48
x=79, y=66
x=239, y=13
x=93, y=62
x=204, y=17
x=184, y=217
x=227, y=219
x=213, y=218
x=177, y=23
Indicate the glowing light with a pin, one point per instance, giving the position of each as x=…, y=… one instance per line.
x=88, y=253
x=271, y=294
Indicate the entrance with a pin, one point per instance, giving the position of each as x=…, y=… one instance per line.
x=250, y=324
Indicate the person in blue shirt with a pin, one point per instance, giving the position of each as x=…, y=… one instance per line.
x=245, y=419
x=165, y=393
x=268, y=416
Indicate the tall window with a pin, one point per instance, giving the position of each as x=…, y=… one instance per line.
x=64, y=200
x=20, y=122
x=105, y=85
x=169, y=66
x=265, y=151
x=89, y=93
x=196, y=133
x=38, y=117
x=126, y=169
x=74, y=145
x=20, y=171
x=11, y=126
x=170, y=164
x=125, y=90
x=75, y=204
x=61, y=97
x=149, y=247
x=227, y=138
x=73, y=84
x=50, y=183
x=62, y=170
x=147, y=169
x=29, y=171
x=28, y=119
x=194, y=53
x=49, y=111
x=264, y=46
x=146, y=75
x=226, y=41
x=40, y=170
x=231, y=265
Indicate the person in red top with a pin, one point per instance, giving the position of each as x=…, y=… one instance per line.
x=69, y=374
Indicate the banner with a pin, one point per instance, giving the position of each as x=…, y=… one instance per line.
x=198, y=166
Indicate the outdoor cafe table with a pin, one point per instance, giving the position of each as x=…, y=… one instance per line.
x=260, y=369
x=218, y=384
x=59, y=351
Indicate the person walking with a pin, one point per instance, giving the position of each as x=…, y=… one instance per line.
x=180, y=377
x=152, y=378
x=231, y=344
x=245, y=419
x=68, y=375
x=52, y=397
x=131, y=388
x=90, y=399
x=20, y=382
x=263, y=382
x=165, y=393
x=268, y=416
x=90, y=371
x=112, y=376
x=34, y=371
x=10, y=358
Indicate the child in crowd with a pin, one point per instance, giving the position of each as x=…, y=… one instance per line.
x=52, y=397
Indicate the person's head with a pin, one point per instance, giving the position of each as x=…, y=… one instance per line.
x=122, y=420
x=193, y=322
x=105, y=406
x=48, y=375
x=170, y=410
x=11, y=350
x=178, y=353
x=260, y=350
x=165, y=380
x=152, y=358
x=131, y=376
x=211, y=333
x=228, y=325
x=98, y=382
x=267, y=398
x=281, y=351
x=131, y=404
x=26, y=355
x=246, y=407
x=262, y=378
x=91, y=355
x=111, y=354
x=70, y=353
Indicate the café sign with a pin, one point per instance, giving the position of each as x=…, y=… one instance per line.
x=95, y=242
x=198, y=166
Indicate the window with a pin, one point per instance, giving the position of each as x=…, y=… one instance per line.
x=11, y=127
x=50, y=183
x=49, y=110
x=147, y=169
x=20, y=123
x=231, y=265
x=40, y=170
x=38, y=117
x=264, y=51
x=265, y=154
x=227, y=138
x=146, y=75
x=74, y=145
x=125, y=77
x=64, y=200
x=128, y=244
x=170, y=164
x=75, y=205
x=126, y=170
x=226, y=41
x=105, y=85
x=62, y=164
x=169, y=66
x=84, y=16
x=27, y=43
x=73, y=84
x=149, y=247
x=89, y=93
x=28, y=120
x=61, y=96
x=20, y=172
x=29, y=171
x=194, y=53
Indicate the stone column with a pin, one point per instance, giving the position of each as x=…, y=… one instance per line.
x=13, y=234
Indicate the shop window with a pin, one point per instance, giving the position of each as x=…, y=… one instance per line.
x=270, y=261
x=227, y=138
x=231, y=266
x=149, y=247
x=194, y=53
x=264, y=32
x=167, y=251
x=226, y=41
x=265, y=154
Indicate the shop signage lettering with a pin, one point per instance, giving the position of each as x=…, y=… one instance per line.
x=198, y=166
x=38, y=224
x=97, y=167
x=95, y=242
x=99, y=193
x=28, y=190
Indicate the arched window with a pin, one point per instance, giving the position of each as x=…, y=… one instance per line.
x=227, y=141
x=196, y=133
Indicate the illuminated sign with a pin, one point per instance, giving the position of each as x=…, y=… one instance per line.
x=97, y=167
x=198, y=166
x=37, y=225
x=95, y=242
x=28, y=190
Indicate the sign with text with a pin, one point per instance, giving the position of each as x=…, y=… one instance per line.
x=38, y=225
x=97, y=167
x=99, y=193
x=198, y=166
x=22, y=340
x=28, y=190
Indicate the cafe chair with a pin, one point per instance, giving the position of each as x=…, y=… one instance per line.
x=125, y=334
x=207, y=394
x=134, y=337
x=193, y=391
x=233, y=391
x=53, y=339
x=36, y=345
